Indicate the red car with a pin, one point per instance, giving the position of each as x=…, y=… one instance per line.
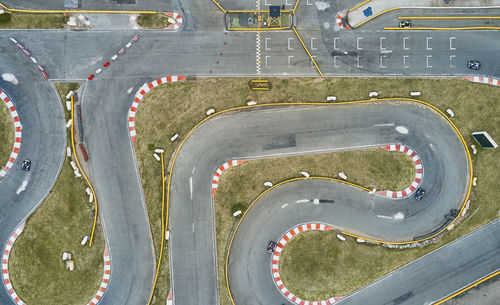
x=45, y=74
x=91, y=76
x=105, y=64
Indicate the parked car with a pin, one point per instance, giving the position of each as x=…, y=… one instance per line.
x=474, y=64
x=271, y=246
x=419, y=194
x=405, y=24
x=26, y=165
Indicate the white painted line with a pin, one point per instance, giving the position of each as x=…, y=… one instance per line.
x=357, y=43
x=404, y=61
x=312, y=43
x=308, y=3
x=265, y=2
x=404, y=43
x=387, y=124
x=302, y=201
x=265, y=44
x=284, y=206
x=289, y=47
x=451, y=43
x=194, y=167
x=427, y=40
x=267, y=56
x=191, y=186
x=286, y=3
x=289, y=64
x=310, y=151
x=312, y=64
x=381, y=47
x=452, y=57
x=192, y=225
x=381, y=61
x=384, y=217
x=335, y=61
x=428, y=65
x=335, y=43
x=357, y=62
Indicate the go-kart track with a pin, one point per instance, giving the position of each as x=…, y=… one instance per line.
x=201, y=47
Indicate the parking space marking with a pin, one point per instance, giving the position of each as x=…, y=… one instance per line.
x=312, y=64
x=381, y=61
x=428, y=57
x=427, y=40
x=312, y=43
x=357, y=43
x=286, y=2
x=265, y=2
x=357, y=60
x=267, y=56
x=404, y=43
x=335, y=61
x=265, y=44
x=289, y=60
x=452, y=57
x=404, y=61
x=451, y=43
x=308, y=3
x=335, y=43
x=289, y=47
x=381, y=47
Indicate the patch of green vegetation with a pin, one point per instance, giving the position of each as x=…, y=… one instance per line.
x=6, y=134
x=153, y=21
x=33, y=21
x=36, y=267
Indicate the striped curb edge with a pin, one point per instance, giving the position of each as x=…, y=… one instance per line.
x=18, y=133
x=5, y=265
x=178, y=20
x=483, y=80
x=218, y=173
x=140, y=95
x=170, y=300
x=105, y=278
x=419, y=171
x=275, y=264
x=340, y=20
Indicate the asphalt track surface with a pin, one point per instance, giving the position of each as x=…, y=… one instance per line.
x=197, y=49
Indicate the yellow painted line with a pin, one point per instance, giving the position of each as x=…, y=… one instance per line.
x=259, y=29
x=295, y=6
x=256, y=11
x=81, y=169
x=164, y=224
x=352, y=9
x=467, y=288
x=220, y=6
x=446, y=29
x=451, y=17
x=75, y=11
x=260, y=81
x=375, y=16
x=307, y=51
x=261, y=89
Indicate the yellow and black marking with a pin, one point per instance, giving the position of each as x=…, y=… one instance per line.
x=260, y=84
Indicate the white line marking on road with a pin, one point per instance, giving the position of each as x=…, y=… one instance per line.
x=286, y=2
x=130, y=90
x=289, y=57
x=192, y=172
x=429, y=56
x=289, y=47
x=308, y=3
x=401, y=129
x=191, y=186
x=265, y=43
x=357, y=64
x=311, y=62
x=22, y=187
x=357, y=43
x=385, y=51
x=404, y=61
x=335, y=43
x=309, y=152
x=384, y=217
x=302, y=201
x=381, y=47
x=451, y=43
x=381, y=61
x=267, y=56
x=386, y=124
x=192, y=225
x=432, y=147
x=404, y=43
x=451, y=58
x=284, y=206
x=335, y=61
x=265, y=2
x=427, y=40
x=312, y=43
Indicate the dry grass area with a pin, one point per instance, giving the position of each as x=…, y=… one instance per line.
x=176, y=108
x=37, y=270
x=153, y=21
x=6, y=134
x=32, y=21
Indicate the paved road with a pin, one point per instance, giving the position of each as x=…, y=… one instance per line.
x=43, y=142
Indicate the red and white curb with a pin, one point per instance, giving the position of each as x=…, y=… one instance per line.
x=483, y=80
x=419, y=171
x=276, y=258
x=218, y=173
x=140, y=95
x=339, y=20
x=170, y=299
x=5, y=265
x=105, y=279
x=177, y=20
x=18, y=133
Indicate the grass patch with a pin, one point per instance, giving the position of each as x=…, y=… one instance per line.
x=33, y=21
x=6, y=134
x=176, y=108
x=153, y=21
x=36, y=267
